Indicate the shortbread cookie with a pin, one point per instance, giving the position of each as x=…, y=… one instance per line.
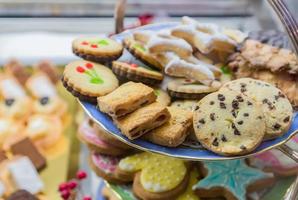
x=275, y=105
x=140, y=51
x=143, y=120
x=233, y=180
x=155, y=176
x=137, y=72
x=229, y=123
x=126, y=99
x=162, y=97
x=88, y=136
x=87, y=80
x=173, y=132
x=190, y=89
x=105, y=166
x=97, y=49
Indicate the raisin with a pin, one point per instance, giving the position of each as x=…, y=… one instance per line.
x=249, y=103
x=239, y=98
x=235, y=104
x=222, y=105
x=44, y=100
x=212, y=116
x=234, y=113
x=221, y=97
x=245, y=114
x=286, y=119
x=197, y=108
x=276, y=126
x=9, y=102
x=260, y=117
x=236, y=132
x=265, y=101
x=215, y=142
x=240, y=122
x=202, y=121
x=212, y=134
x=243, y=90
x=223, y=138
x=211, y=102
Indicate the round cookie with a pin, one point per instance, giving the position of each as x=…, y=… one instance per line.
x=137, y=73
x=88, y=80
x=276, y=107
x=229, y=123
x=140, y=51
x=189, y=89
x=97, y=49
x=162, y=97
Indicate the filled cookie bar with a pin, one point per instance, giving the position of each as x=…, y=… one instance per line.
x=126, y=99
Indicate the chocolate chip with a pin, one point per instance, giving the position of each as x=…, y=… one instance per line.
x=44, y=100
x=178, y=105
x=236, y=132
x=223, y=138
x=249, y=103
x=235, y=104
x=271, y=106
x=260, y=117
x=281, y=95
x=221, y=97
x=212, y=116
x=198, y=126
x=240, y=122
x=276, y=126
x=265, y=101
x=215, y=142
x=202, y=121
x=197, y=108
x=245, y=114
x=243, y=90
x=234, y=113
x=222, y=105
x=243, y=85
x=276, y=97
x=211, y=102
x=286, y=119
x=212, y=134
x=9, y=102
x=239, y=98
x=243, y=147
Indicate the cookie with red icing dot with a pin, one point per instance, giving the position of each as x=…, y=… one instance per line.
x=137, y=72
x=100, y=50
x=87, y=80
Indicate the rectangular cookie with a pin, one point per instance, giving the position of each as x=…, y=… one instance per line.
x=143, y=120
x=173, y=132
x=126, y=99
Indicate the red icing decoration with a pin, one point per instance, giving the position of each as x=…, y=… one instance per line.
x=187, y=80
x=134, y=65
x=94, y=45
x=89, y=65
x=80, y=69
x=81, y=175
x=63, y=186
x=65, y=194
x=72, y=184
x=84, y=43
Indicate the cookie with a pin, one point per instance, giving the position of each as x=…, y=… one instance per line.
x=137, y=73
x=187, y=105
x=155, y=176
x=232, y=180
x=88, y=136
x=229, y=123
x=105, y=166
x=140, y=51
x=143, y=120
x=162, y=97
x=17, y=70
x=190, y=89
x=173, y=132
x=126, y=99
x=50, y=69
x=8, y=129
x=276, y=107
x=100, y=50
x=87, y=80
x=22, y=194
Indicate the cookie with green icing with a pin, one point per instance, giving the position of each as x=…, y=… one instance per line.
x=231, y=179
x=137, y=73
x=88, y=80
x=97, y=49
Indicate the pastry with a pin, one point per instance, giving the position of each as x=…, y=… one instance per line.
x=100, y=50
x=275, y=105
x=162, y=97
x=143, y=120
x=137, y=73
x=173, y=132
x=140, y=51
x=87, y=80
x=88, y=136
x=190, y=89
x=126, y=99
x=229, y=123
x=155, y=176
x=232, y=180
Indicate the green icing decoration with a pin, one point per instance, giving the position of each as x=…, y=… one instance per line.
x=156, y=92
x=140, y=47
x=103, y=42
x=226, y=70
x=123, y=191
x=234, y=175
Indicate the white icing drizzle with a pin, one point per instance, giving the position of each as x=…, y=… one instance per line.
x=194, y=60
x=10, y=88
x=42, y=87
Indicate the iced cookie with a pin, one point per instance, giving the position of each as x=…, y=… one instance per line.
x=232, y=180
x=276, y=107
x=87, y=80
x=229, y=123
x=190, y=89
x=143, y=120
x=100, y=50
x=162, y=97
x=126, y=99
x=88, y=136
x=105, y=167
x=15, y=103
x=155, y=176
x=140, y=51
x=137, y=73
x=173, y=132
